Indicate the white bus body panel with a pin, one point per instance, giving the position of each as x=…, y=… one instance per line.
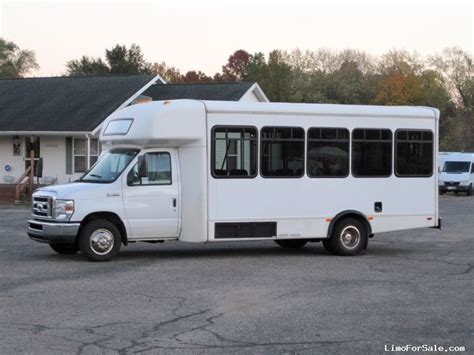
x=302, y=207
x=181, y=125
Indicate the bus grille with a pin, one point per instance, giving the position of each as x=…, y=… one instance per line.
x=451, y=183
x=43, y=207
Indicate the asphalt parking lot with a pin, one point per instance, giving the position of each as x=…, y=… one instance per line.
x=412, y=287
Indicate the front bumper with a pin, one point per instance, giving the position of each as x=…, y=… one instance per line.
x=461, y=188
x=49, y=232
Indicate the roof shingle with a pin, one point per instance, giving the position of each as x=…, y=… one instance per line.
x=211, y=91
x=64, y=103
x=80, y=104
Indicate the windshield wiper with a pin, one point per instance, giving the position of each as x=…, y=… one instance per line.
x=96, y=176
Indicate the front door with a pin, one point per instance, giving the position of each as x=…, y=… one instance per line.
x=32, y=147
x=152, y=202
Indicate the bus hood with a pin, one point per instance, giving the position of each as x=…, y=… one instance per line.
x=79, y=190
x=453, y=177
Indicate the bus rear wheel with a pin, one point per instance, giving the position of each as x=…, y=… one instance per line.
x=347, y=239
x=292, y=244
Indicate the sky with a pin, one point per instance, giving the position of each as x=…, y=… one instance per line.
x=200, y=35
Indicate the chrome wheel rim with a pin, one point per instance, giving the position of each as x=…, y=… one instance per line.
x=350, y=237
x=101, y=241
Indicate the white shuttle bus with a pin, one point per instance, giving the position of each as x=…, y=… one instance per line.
x=209, y=172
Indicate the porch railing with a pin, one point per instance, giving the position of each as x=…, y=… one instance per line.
x=25, y=181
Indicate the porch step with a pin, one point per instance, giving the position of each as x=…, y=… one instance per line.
x=7, y=195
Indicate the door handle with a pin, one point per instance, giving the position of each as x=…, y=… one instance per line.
x=174, y=202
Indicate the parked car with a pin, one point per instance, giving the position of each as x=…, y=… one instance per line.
x=457, y=173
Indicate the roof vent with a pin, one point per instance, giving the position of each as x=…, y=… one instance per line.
x=141, y=99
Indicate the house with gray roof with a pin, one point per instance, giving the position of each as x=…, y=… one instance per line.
x=58, y=119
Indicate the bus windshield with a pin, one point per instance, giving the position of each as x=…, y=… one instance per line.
x=109, y=167
x=456, y=167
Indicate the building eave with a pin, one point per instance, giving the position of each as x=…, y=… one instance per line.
x=45, y=133
x=157, y=77
x=257, y=91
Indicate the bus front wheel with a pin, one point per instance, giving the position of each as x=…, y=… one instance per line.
x=100, y=240
x=348, y=238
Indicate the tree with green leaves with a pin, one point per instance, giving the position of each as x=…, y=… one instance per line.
x=273, y=75
x=86, y=66
x=15, y=62
x=118, y=60
x=456, y=68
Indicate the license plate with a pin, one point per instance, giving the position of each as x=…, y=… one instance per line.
x=450, y=187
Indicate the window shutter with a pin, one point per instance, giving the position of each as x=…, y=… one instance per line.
x=68, y=155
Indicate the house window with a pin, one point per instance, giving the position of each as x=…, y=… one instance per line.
x=371, y=152
x=328, y=152
x=282, y=152
x=79, y=153
x=234, y=152
x=414, y=153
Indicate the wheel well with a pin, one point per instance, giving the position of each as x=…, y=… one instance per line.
x=109, y=216
x=350, y=214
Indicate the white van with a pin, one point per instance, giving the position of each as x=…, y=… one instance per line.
x=211, y=172
x=457, y=173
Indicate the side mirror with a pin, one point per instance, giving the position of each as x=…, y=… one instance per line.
x=142, y=167
x=130, y=178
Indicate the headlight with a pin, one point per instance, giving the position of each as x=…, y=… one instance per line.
x=466, y=182
x=63, y=209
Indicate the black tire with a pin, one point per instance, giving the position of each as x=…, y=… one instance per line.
x=292, y=243
x=100, y=240
x=65, y=249
x=469, y=190
x=348, y=238
x=327, y=246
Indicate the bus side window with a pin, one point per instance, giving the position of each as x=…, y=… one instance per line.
x=371, y=152
x=282, y=152
x=233, y=152
x=328, y=152
x=413, y=153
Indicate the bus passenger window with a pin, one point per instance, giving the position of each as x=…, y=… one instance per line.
x=234, y=152
x=328, y=152
x=414, y=153
x=371, y=152
x=282, y=152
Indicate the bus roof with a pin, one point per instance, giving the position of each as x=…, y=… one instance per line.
x=321, y=109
